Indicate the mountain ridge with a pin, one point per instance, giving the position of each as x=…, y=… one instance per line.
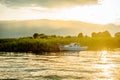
x=19, y=28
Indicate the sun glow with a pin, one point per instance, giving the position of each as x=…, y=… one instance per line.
x=103, y=56
x=106, y=66
x=91, y=14
x=107, y=11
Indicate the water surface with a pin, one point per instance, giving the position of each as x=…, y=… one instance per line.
x=86, y=65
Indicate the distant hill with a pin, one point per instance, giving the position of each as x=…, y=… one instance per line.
x=22, y=28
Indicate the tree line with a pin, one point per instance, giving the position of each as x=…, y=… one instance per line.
x=39, y=43
x=80, y=35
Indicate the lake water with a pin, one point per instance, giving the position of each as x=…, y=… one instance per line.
x=85, y=65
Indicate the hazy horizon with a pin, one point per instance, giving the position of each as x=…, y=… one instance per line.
x=24, y=28
x=19, y=18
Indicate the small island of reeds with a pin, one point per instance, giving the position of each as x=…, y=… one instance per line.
x=38, y=43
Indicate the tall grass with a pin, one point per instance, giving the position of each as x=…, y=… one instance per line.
x=51, y=44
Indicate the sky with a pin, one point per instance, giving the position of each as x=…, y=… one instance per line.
x=92, y=11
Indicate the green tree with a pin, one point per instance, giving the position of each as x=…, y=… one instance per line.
x=54, y=36
x=101, y=34
x=93, y=34
x=80, y=35
x=117, y=34
x=68, y=36
x=106, y=34
x=43, y=36
x=35, y=35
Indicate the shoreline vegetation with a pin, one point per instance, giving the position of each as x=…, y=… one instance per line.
x=40, y=43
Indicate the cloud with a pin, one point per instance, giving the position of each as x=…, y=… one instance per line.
x=46, y=3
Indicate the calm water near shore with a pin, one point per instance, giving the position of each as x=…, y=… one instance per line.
x=85, y=65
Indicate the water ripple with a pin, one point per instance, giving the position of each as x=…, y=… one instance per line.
x=90, y=65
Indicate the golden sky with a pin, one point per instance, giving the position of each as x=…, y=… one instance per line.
x=92, y=11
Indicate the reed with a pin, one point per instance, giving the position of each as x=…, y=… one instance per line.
x=51, y=44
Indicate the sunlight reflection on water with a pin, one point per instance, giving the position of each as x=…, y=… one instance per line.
x=107, y=67
x=86, y=65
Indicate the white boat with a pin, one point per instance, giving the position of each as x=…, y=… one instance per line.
x=72, y=47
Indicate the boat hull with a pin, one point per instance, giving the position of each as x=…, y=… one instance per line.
x=62, y=48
